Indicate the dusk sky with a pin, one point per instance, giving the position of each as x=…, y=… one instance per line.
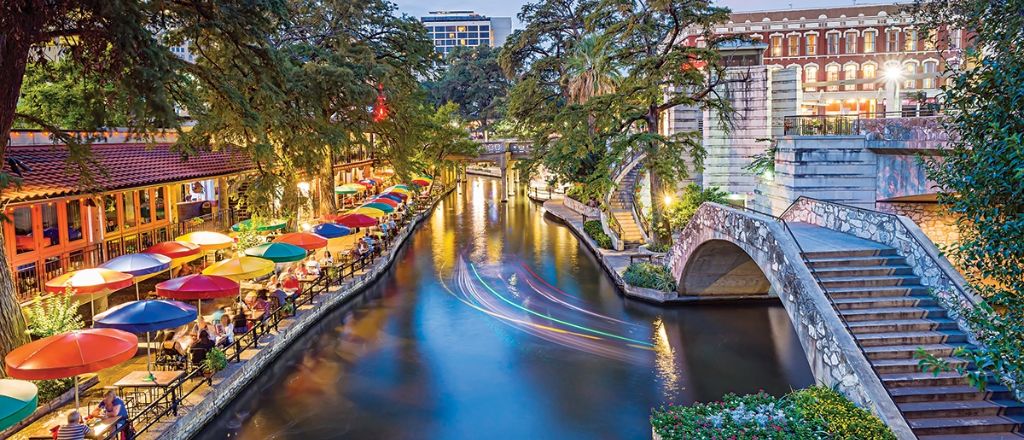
x=509, y=8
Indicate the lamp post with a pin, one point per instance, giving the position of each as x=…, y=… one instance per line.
x=894, y=77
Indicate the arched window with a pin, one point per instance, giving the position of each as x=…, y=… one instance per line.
x=832, y=75
x=930, y=73
x=850, y=72
x=810, y=76
x=869, y=71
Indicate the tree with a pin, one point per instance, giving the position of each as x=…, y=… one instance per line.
x=61, y=93
x=123, y=45
x=981, y=172
x=472, y=79
x=591, y=72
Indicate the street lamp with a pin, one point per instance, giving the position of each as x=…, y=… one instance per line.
x=894, y=75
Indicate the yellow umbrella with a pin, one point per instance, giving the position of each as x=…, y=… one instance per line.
x=369, y=212
x=207, y=241
x=241, y=268
x=396, y=189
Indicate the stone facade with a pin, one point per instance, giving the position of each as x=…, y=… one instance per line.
x=831, y=350
x=731, y=141
x=939, y=226
x=901, y=233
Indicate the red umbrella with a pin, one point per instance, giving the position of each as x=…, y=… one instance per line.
x=386, y=201
x=174, y=249
x=86, y=281
x=198, y=287
x=356, y=221
x=71, y=354
x=306, y=240
x=365, y=183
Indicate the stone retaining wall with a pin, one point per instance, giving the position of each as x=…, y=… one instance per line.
x=581, y=208
x=226, y=388
x=831, y=351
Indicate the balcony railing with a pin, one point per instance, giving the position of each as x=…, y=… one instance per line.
x=819, y=125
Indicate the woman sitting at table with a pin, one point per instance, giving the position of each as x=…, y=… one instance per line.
x=111, y=406
x=328, y=260
x=201, y=347
x=225, y=331
x=262, y=304
x=312, y=266
x=74, y=429
x=240, y=323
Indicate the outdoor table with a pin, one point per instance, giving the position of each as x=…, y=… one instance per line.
x=144, y=391
x=98, y=429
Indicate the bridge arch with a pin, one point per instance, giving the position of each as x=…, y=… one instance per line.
x=721, y=267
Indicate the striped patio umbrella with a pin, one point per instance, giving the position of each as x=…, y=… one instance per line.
x=277, y=252
x=18, y=400
x=388, y=209
x=368, y=211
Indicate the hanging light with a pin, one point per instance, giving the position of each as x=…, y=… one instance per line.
x=380, y=109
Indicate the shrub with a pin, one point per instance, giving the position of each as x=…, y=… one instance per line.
x=215, y=361
x=680, y=212
x=660, y=247
x=649, y=275
x=51, y=389
x=812, y=413
x=54, y=315
x=594, y=230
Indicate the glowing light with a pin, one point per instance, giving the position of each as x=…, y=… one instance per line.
x=305, y=226
x=303, y=187
x=668, y=199
x=893, y=73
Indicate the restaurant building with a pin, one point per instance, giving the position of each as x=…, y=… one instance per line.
x=135, y=194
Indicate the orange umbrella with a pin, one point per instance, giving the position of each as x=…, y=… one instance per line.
x=306, y=240
x=174, y=249
x=71, y=354
x=88, y=282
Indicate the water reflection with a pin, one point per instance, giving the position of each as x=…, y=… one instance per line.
x=496, y=323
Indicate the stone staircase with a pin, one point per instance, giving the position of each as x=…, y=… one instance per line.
x=620, y=207
x=891, y=314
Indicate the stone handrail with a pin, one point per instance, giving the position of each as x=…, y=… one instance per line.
x=901, y=233
x=581, y=208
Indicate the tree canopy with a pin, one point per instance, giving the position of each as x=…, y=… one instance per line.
x=472, y=78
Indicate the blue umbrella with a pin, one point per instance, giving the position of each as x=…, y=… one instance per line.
x=138, y=265
x=146, y=316
x=392, y=197
x=330, y=230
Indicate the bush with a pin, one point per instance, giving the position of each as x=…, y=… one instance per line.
x=651, y=276
x=660, y=247
x=594, y=230
x=812, y=413
x=51, y=389
x=54, y=315
x=680, y=212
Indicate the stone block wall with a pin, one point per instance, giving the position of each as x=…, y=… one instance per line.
x=786, y=96
x=939, y=226
x=732, y=148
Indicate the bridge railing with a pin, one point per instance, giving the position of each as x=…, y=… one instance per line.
x=821, y=285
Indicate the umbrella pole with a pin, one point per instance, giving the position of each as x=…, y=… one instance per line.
x=137, y=291
x=149, y=353
x=78, y=404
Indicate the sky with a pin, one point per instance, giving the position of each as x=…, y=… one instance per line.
x=509, y=8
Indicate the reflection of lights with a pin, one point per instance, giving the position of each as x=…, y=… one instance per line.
x=665, y=359
x=734, y=196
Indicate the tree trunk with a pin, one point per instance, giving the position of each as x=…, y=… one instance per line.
x=15, y=42
x=660, y=232
x=12, y=323
x=327, y=205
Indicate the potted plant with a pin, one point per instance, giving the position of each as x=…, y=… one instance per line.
x=215, y=361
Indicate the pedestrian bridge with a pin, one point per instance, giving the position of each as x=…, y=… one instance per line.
x=855, y=284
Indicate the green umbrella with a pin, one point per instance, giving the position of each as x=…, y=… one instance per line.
x=381, y=206
x=262, y=226
x=18, y=399
x=405, y=187
x=277, y=252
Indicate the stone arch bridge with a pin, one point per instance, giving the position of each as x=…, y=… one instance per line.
x=863, y=290
x=503, y=153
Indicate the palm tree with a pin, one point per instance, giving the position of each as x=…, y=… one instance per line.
x=591, y=71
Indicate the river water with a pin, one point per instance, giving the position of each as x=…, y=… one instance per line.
x=496, y=323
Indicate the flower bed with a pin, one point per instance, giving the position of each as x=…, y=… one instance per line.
x=811, y=413
x=594, y=230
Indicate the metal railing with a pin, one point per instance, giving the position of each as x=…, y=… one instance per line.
x=818, y=125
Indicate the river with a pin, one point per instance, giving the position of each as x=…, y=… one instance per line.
x=495, y=322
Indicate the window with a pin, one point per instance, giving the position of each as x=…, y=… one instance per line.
x=869, y=71
x=832, y=43
x=128, y=204
x=954, y=39
x=930, y=68
x=23, y=239
x=869, y=41
x=810, y=76
x=909, y=70
x=929, y=40
x=910, y=40
x=51, y=229
x=161, y=204
x=851, y=42
x=832, y=75
x=776, y=45
x=812, y=44
x=892, y=40
x=794, y=45
x=145, y=214
x=850, y=72
x=74, y=210
x=110, y=212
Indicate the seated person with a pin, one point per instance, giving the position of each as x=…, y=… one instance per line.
x=201, y=325
x=362, y=248
x=312, y=266
x=282, y=296
x=250, y=300
x=225, y=331
x=111, y=406
x=240, y=323
x=201, y=347
x=291, y=284
x=272, y=282
x=328, y=259
x=262, y=304
x=74, y=429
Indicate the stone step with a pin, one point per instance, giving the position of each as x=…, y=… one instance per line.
x=873, y=260
x=910, y=338
x=961, y=408
x=884, y=313
x=944, y=393
x=910, y=365
x=884, y=301
x=861, y=271
x=976, y=436
x=922, y=379
x=863, y=292
x=967, y=425
x=909, y=351
x=902, y=325
x=849, y=253
x=880, y=281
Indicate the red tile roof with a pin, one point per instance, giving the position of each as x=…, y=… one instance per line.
x=116, y=166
